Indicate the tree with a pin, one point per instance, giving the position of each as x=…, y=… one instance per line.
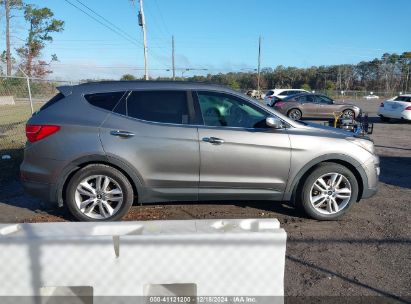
x=128, y=77
x=41, y=26
x=9, y=5
x=306, y=87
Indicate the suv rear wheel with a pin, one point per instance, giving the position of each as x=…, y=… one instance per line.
x=328, y=191
x=99, y=193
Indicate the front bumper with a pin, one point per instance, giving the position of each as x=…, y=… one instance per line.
x=372, y=172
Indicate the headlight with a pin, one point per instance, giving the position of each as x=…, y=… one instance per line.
x=363, y=143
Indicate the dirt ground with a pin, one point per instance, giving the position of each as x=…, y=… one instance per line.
x=366, y=253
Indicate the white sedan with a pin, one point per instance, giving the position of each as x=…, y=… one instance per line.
x=371, y=97
x=398, y=107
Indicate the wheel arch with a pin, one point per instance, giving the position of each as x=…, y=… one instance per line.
x=133, y=177
x=353, y=165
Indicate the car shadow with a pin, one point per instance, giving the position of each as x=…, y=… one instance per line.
x=396, y=170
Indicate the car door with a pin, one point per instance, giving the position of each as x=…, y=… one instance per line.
x=326, y=106
x=240, y=157
x=307, y=105
x=151, y=132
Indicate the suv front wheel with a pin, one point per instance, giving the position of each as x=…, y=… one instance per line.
x=99, y=193
x=328, y=192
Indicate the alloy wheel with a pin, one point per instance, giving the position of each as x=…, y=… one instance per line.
x=349, y=114
x=330, y=193
x=295, y=114
x=98, y=197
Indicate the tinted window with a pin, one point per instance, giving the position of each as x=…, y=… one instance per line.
x=324, y=99
x=52, y=101
x=229, y=111
x=105, y=101
x=306, y=98
x=403, y=98
x=158, y=106
x=269, y=93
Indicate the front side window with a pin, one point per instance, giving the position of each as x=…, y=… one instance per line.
x=158, y=106
x=223, y=110
x=105, y=101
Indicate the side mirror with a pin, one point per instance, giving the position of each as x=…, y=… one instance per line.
x=274, y=122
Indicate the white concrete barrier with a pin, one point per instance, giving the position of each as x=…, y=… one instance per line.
x=195, y=258
x=7, y=100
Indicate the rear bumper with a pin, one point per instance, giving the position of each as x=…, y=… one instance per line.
x=41, y=191
x=39, y=178
x=395, y=114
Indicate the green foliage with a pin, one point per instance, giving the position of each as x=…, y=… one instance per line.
x=41, y=26
x=391, y=73
x=329, y=85
x=306, y=87
x=128, y=77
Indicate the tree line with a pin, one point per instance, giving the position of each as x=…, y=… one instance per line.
x=390, y=73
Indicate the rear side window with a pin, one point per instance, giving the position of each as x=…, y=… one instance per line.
x=52, y=101
x=158, y=106
x=106, y=101
x=403, y=98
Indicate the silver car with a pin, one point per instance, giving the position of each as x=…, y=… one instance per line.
x=100, y=147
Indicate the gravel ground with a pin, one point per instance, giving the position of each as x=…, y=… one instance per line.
x=366, y=253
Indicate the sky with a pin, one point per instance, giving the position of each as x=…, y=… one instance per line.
x=215, y=36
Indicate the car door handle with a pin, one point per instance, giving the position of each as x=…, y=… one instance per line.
x=213, y=140
x=120, y=133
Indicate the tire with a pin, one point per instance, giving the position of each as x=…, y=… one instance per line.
x=350, y=114
x=295, y=114
x=326, y=210
x=115, y=192
x=384, y=119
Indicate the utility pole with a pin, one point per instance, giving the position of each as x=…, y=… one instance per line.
x=142, y=23
x=8, y=54
x=259, y=63
x=173, y=60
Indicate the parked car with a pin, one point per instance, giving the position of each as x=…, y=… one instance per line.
x=398, y=107
x=280, y=94
x=99, y=147
x=255, y=94
x=308, y=105
x=372, y=97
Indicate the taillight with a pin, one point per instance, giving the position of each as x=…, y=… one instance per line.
x=382, y=105
x=37, y=132
x=269, y=97
x=279, y=103
x=408, y=108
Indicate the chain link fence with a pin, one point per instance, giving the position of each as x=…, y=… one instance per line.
x=19, y=97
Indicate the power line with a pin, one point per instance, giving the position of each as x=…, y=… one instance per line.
x=103, y=24
x=105, y=19
x=161, y=17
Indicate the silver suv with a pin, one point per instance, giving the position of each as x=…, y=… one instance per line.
x=99, y=147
